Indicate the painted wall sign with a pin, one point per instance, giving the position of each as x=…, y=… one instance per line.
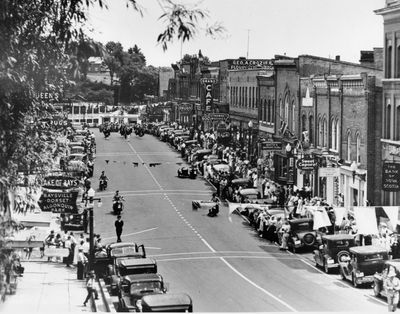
x=391, y=177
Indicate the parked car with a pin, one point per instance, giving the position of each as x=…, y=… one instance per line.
x=125, y=266
x=333, y=249
x=363, y=263
x=168, y=302
x=302, y=234
x=379, y=278
x=133, y=287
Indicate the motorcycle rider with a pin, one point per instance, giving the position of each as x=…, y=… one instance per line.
x=103, y=180
x=213, y=211
x=117, y=199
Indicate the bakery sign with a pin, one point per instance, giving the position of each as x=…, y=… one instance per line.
x=59, y=202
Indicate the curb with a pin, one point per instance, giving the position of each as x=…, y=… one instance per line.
x=108, y=304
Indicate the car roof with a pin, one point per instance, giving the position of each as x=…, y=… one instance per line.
x=143, y=277
x=120, y=244
x=338, y=237
x=128, y=262
x=367, y=249
x=168, y=299
x=395, y=263
x=300, y=220
x=248, y=192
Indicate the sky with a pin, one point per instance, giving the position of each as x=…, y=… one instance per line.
x=257, y=29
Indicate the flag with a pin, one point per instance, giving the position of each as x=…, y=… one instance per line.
x=235, y=206
x=321, y=219
x=366, y=221
x=283, y=127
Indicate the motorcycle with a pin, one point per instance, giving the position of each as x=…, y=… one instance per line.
x=103, y=184
x=213, y=211
x=107, y=134
x=118, y=206
x=186, y=172
x=139, y=132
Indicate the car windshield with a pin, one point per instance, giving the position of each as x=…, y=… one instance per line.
x=304, y=226
x=147, y=286
x=341, y=243
x=128, y=250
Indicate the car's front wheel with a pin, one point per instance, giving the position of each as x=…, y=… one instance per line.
x=377, y=292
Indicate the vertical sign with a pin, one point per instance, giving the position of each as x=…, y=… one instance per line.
x=391, y=177
x=208, y=98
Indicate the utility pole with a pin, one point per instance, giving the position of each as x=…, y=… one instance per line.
x=248, y=41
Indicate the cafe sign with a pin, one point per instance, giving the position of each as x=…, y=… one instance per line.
x=208, y=98
x=391, y=177
x=59, y=202
x=60, y=182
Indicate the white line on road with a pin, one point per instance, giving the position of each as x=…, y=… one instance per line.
x=145, y=166
x=219, y=257
x=133, y=233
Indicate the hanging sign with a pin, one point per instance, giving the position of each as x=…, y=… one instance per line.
x=208, y=98
x=307, y=163
x=60, y=182
x=391, y=177
x=59, y=202
x=329, y=172
x=271, y=146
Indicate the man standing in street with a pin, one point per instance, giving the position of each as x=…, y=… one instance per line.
x=118, y=227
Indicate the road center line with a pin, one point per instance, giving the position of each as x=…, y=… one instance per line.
x=145, y=166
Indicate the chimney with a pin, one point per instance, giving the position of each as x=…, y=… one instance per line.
x=367, y=58
x=337, y=58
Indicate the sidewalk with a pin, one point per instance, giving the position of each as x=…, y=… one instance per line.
x=47, y=287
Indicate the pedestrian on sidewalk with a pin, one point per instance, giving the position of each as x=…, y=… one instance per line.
x=90, y=287
x=119, y=223
x=81, y=265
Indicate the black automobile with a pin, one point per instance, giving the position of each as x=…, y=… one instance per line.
x=168, y=302
x=133, y=287
x=363, y=263
x=301, y=234
x=187, y=172
x=333, y=249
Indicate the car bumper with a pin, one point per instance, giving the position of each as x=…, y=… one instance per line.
x=365, y=279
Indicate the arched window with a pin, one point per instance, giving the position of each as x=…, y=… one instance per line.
x=389, y=58
x=320, y=132
x=286, y=111
x=273, y=111
x=293, y=117
x=398, y=62
x=325, y=127
x=338, y=148
x=303, y=122
x=265, y=109
x=397, y=124
x=333, y=135
x=388, y=121
x=262, y=109
x=358, y=148
x=349, y=146
x=311, y=128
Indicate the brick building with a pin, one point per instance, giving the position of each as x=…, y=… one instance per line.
x=390, y=108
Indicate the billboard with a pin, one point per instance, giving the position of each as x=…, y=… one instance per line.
x=249, y=64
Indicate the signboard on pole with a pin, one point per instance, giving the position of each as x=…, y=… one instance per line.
x=391, y=177
x=59, y=202
x=208, y=98
x=307, y=163
x=60, y=182
x=329, y=172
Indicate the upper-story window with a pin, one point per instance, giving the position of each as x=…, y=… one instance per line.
x=349, y=146
x=389, y=56
x=325, y=134
x=358, y=148
x=388, y=119
x=397, y=124
x=333, y=135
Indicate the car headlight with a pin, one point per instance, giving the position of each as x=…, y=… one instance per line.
x=359, y=274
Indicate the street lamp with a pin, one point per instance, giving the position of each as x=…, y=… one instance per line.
x=88, y=200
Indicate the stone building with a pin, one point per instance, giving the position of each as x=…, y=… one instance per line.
x=390, y=118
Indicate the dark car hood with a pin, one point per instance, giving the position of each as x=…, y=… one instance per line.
x=371, y=267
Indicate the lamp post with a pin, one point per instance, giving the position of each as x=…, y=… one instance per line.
x=250, y=134
x=290, y=164
x=88, y=200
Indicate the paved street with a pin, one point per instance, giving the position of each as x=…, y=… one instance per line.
x=220, y=262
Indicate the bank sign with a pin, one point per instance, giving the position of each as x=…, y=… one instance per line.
x=391, y=177
x=208, y=98
x=249, y=64
x=59, y=202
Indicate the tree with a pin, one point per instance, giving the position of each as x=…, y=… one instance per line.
x=113, y=58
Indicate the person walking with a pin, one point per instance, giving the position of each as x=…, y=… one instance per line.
x=90, y=287
x=392, y=286
x=81, y=264
x=118, y=227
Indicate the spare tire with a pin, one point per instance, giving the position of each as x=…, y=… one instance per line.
x=342, y=254
x=309, y=239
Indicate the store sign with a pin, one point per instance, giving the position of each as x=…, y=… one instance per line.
x=271, y=146
x=248, y=64
x=208, y=99
x=391, y=177
x=307, y=164
x=56, y=123
x=213, y=117
x=328, y=172
x=60, y=182
x=59, y=202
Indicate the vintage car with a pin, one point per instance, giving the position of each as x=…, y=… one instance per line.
x=379, y=278
x=168, y=302
x=187, y=172
x=114, y=251
x=133, y=287
x=302, y=234
x=124, y=266
x=333, y=249
x=363, y=263
x=249, y=195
